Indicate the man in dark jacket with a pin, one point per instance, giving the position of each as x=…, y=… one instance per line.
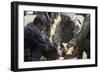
x=36, y=44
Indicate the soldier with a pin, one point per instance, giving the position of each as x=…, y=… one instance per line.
x=67, y=27
x=36, y=44
x=81, y=41
x=83, y=38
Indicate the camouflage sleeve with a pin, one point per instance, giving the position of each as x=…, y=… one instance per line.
x=84, y=30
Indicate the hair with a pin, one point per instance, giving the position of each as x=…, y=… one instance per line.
x=40, y=18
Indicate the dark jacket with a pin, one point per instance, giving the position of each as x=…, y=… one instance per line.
x=37, y=44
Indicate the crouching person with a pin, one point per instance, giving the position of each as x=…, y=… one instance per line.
x=36, y=44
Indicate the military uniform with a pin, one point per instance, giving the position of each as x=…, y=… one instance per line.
x=83, y=38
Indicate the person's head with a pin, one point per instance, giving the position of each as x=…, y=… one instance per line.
x=67, y=27
x=40, y=21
